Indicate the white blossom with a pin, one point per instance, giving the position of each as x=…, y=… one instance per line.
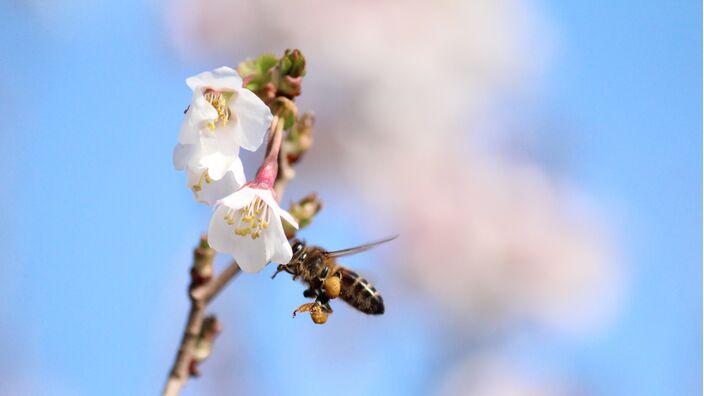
x=221, y=118
x=247, y=224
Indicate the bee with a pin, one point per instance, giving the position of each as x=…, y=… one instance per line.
x=327, y=280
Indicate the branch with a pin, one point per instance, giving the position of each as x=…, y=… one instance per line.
x=181, y=369
x=211, y=289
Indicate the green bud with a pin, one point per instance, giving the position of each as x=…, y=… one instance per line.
x=256, y=73
x=293, y=63
x=288, y=73
x=204, y=342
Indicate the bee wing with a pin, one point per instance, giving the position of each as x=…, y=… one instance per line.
x=358, y=249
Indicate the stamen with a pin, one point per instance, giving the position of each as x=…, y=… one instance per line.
x=253, y=219
x=203, y=177
x=219, y=101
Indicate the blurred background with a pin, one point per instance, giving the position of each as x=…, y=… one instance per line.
x=540, y=159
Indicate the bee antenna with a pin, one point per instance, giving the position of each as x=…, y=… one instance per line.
x=280, y=268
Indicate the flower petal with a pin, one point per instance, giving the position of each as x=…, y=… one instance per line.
x=250, y=254
x=183, y=154
x=282, y=252
x=240, y=198
x=287, y=216
x=219, y=79
x=217, y=164
x=268, y=197
x=225, y=139
x=237, y=169
x=254, y=119
x=216, y=190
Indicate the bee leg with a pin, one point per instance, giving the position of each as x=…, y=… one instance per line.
x=305, y=308
x=323, y=275
x=310, y=293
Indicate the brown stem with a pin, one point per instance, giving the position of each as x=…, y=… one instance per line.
x=200, y=297
x=211, y=289
x=180, y=371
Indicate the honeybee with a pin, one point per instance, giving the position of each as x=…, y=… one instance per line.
x=327, y=280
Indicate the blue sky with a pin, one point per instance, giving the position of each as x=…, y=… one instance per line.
x=97, y=225
x=630, y=72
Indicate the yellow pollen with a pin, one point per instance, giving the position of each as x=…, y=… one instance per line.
x=219, y=101
x=250, y=220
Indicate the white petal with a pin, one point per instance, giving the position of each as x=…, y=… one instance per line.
x=240, y=198
x=287, y=216
x=216, y=190
x=268, y=197
x=220, y=234
x=217, y=164
x=224, y=139
x=183, y=153
x=219, y=79
x=237, y=170
x=282, y=252
x=190, y=131
x=253, y=119
x=201, y=109
x=250, y=254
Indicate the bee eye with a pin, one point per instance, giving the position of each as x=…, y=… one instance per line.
x=297, y=246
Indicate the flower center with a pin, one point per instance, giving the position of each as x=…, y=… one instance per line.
x=252, y=219
x=219, y=101
x=204, y=177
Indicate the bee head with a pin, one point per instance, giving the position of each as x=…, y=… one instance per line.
x=299, y=254
x=298, y=248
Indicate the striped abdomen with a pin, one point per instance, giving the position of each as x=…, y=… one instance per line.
x=359, y=293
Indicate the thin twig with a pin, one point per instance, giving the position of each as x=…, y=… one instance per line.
x=181, y=369
x=211, y=289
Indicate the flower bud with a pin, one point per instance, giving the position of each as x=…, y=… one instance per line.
x=288, y=73
x=293, y=63
x=204, y=342
x=203, y=257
